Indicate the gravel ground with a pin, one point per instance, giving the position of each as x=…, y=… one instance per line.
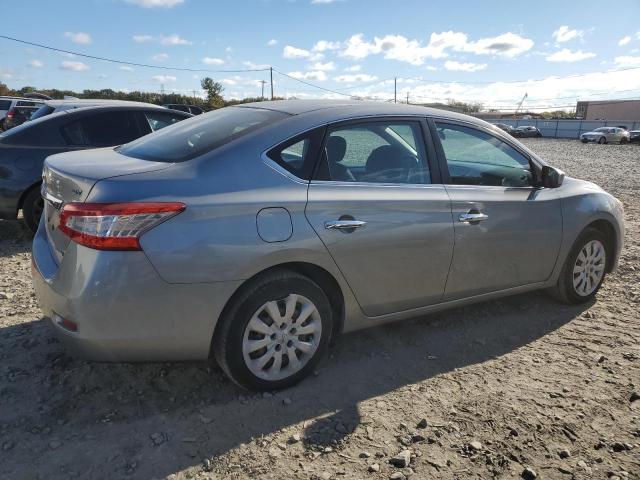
x=501, y=389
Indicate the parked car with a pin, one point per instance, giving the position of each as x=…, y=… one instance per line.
x=17, y=116
x=505, y=127
x=634, y=136
x=257, y=233
x=605, y=135
x=24, y=148
x=7, y=103
x=53, y=106
x=526, y=132
x=193, y=109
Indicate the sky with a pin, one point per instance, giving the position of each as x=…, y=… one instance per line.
x=492, y=52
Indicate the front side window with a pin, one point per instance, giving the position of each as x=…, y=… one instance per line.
x=199, y=135
x=158, y=120
x=102, y=129
x=375, y=152
x=475, y=157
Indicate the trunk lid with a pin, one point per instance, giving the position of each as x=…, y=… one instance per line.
x=69, y=177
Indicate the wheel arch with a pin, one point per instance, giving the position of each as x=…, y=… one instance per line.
x=608, y=230
x=325, y=280
x=26, y=192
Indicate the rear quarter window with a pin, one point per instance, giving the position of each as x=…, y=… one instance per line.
x=5, y=104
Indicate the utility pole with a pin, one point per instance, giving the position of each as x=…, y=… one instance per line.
x=271, y=76
x=262, y=82
x=395, y=90
x=407, y=98
x=162, y=88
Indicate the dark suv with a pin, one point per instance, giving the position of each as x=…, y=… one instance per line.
x=23, y=149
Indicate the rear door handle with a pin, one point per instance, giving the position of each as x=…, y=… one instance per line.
x=344, y=224
x=472, y=217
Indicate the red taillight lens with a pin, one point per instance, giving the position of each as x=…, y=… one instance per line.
x=10, y=114
x=114, y=226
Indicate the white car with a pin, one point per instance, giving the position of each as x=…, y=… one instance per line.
x=605, y=135
x=51, y=106
x=7, y=103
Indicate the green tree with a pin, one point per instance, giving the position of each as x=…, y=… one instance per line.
x=214, y=92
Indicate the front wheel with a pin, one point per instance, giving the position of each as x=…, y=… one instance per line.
x=275, y=332
x=584, y=269
x=602, y=140
x=624, y=140
x=32, y=208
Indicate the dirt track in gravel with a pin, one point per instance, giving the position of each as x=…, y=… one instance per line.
x=525, y=377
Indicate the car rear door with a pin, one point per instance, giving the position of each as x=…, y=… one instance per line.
x=376, y=203
x=507, y=230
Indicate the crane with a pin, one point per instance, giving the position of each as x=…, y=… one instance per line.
x=520, y=104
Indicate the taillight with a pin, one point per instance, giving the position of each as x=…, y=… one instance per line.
x=10, y=113
x=114, y=226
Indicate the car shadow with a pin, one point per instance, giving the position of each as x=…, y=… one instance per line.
x=151, y=420
x=15, y=237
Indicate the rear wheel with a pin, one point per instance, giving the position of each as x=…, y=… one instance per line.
x=602, y=140
x=32, y=208
x=275, y=332
x=584, y=269
x=624, y=140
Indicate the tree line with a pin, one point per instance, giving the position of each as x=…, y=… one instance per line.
x=213, y=91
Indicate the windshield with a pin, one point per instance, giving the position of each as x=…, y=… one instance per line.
x=198, y=135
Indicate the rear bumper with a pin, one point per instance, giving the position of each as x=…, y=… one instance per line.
x=123, y=310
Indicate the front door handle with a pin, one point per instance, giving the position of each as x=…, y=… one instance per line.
x=344, y=224
x=472, y=217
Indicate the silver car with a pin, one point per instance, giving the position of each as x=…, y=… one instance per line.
x=606, y=135
x=257, y=233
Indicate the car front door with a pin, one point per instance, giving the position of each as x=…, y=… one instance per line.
x=377, y=205
x=507, y=230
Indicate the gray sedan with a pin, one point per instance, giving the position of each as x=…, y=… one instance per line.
x=257, y=233
x=606, y=135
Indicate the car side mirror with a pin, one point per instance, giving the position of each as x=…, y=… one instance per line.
x=552, y=177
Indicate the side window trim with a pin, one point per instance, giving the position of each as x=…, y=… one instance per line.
x=442, y=160
x=426, y=147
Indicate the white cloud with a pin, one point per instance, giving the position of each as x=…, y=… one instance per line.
x=174, y=39
x=323, y=2
x=142, y=38
x=627, y=61
x=255, y=66
x=294, y=52
x=156, y=3
x=164, y=78
x=398, y=47
x=624, y=40
x=323, y=45
x=160, y=57
x=36, y=64
x=272, y=42
x=312, y=75
x=359, y=77
x=464, y=67
x=326, y=67
x=228, y=49
x=212, y=61
x=353, y=68
x=431, y=68
x=74, y=66
x=78, y=37
x=566, y=55
x=564, y=34
x=126, y=68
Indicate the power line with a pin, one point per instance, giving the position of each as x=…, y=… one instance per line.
x=124, y=62
x=311, y=84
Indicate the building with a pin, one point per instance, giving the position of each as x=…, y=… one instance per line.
x=627, y=110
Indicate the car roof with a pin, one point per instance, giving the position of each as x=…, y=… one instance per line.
x=341, y=109
x=96, y=101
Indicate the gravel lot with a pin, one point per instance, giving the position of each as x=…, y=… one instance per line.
x=485, y=391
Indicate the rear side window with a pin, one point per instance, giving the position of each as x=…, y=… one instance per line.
x=158, y=120
x=5, y=104
x=199, y=135
x=299, y=154
x=22, y=103
x=102, y=129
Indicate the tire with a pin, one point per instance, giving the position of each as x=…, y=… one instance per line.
x=247, y=319
x=566, y=289
x=602, y=140
x=623, y=140
x=32, y=208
